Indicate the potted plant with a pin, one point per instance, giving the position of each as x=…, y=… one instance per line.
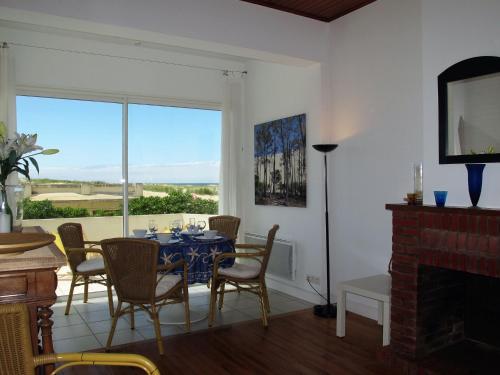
x=16, y=155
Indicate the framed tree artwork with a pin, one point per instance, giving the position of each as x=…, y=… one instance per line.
x=280, y=162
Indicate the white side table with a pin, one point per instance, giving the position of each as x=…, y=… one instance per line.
x=376, y=287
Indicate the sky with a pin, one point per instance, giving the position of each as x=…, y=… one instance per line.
x=166, y=144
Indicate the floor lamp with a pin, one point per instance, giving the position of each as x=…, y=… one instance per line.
x=328, y=310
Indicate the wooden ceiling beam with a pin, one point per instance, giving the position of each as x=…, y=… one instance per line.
x=321, y=10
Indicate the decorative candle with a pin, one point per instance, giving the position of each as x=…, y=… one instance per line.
x=418, y=182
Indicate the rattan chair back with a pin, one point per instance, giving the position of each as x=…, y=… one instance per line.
x=225, y=224
x=132, y=265
x=16, y=355
x=269, y=246
x=72, y=238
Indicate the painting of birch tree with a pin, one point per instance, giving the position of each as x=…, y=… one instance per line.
x=280, y=162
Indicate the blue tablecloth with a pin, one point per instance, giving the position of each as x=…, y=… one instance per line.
x=198, y=254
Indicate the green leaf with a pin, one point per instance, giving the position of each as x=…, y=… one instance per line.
x=35, y=163
x=25, y=173
x=12, y=157
x=50, y=151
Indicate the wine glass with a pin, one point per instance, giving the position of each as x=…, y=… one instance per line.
x=153, y=228
x=178, y=226
x=201, y=225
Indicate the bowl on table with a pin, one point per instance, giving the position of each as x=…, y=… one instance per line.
x=210, y=233
x=164, y=237
x=139, y=233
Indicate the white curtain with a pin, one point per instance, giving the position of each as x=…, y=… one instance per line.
x=8, y=96
x=231, y=145
x=7, y=89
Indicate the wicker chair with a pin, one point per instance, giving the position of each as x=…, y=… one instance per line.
x=225, y=224
x=16, y=354
x=133, y=267
x=85, y=271
x=246, y=277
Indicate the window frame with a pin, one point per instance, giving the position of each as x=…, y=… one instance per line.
x=124, y=100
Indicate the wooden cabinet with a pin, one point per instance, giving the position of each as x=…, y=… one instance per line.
x=31, y=278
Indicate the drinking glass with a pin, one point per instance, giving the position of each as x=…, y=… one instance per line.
x=178, y=226
x=440, y=197
x=201, y=225
x=153, y=228
x=192, y=224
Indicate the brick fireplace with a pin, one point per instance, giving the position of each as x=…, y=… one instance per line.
x=445, y=286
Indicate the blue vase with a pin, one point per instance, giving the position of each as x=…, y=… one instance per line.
x=475, y=178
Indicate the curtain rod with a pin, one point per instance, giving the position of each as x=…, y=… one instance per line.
x=225, y=72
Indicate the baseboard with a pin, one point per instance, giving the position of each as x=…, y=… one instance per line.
x=284, y=287
x=358, y=305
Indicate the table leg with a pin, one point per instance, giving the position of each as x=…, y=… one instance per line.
x=45, y=323
x=380, y=317
x=341, y=306
x=386, y=328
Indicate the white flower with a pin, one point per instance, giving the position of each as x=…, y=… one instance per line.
x=26, y=143
x=22, y=147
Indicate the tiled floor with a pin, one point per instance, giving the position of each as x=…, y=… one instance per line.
x=64, y=277
x=88, y=324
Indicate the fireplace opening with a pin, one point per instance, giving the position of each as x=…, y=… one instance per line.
x=458, y=320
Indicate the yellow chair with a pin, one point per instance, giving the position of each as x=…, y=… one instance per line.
x=16, y=354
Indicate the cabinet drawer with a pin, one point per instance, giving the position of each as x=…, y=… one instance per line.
x=14, y=285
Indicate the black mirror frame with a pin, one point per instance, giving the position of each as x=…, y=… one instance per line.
x=474, y=67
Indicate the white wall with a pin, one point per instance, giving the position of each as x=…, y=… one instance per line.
x=378, y=100
x=224, y=26
x=64, y=70
x=276, y=91
x=385, y=61
x=454, y=30
x=376, y=120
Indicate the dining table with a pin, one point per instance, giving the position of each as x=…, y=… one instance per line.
x=199, y=253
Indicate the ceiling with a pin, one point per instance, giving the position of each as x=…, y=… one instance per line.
x=322, y=10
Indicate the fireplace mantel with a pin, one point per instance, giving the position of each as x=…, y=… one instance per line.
x=428, y=243
x=446, y=210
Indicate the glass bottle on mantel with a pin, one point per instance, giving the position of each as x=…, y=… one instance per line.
x=418, y=183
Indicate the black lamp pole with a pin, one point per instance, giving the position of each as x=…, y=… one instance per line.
x=328, y=310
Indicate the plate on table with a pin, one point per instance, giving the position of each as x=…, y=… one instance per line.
x=186, y=233
x=171, y=241
x=203, y=238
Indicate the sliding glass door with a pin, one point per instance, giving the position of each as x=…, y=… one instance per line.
x=83, y=181
x=169, y=156
x=174, y=155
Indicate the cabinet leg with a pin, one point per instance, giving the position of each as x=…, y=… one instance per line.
x=45, y=324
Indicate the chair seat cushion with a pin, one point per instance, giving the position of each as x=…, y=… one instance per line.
x=241, y=271
x=167, y=283
x=90, y=265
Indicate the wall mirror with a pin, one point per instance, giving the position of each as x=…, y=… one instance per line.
x=469, y=111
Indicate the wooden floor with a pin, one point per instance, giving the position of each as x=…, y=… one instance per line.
x=294, y=343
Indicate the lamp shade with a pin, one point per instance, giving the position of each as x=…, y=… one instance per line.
x=325, y=147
